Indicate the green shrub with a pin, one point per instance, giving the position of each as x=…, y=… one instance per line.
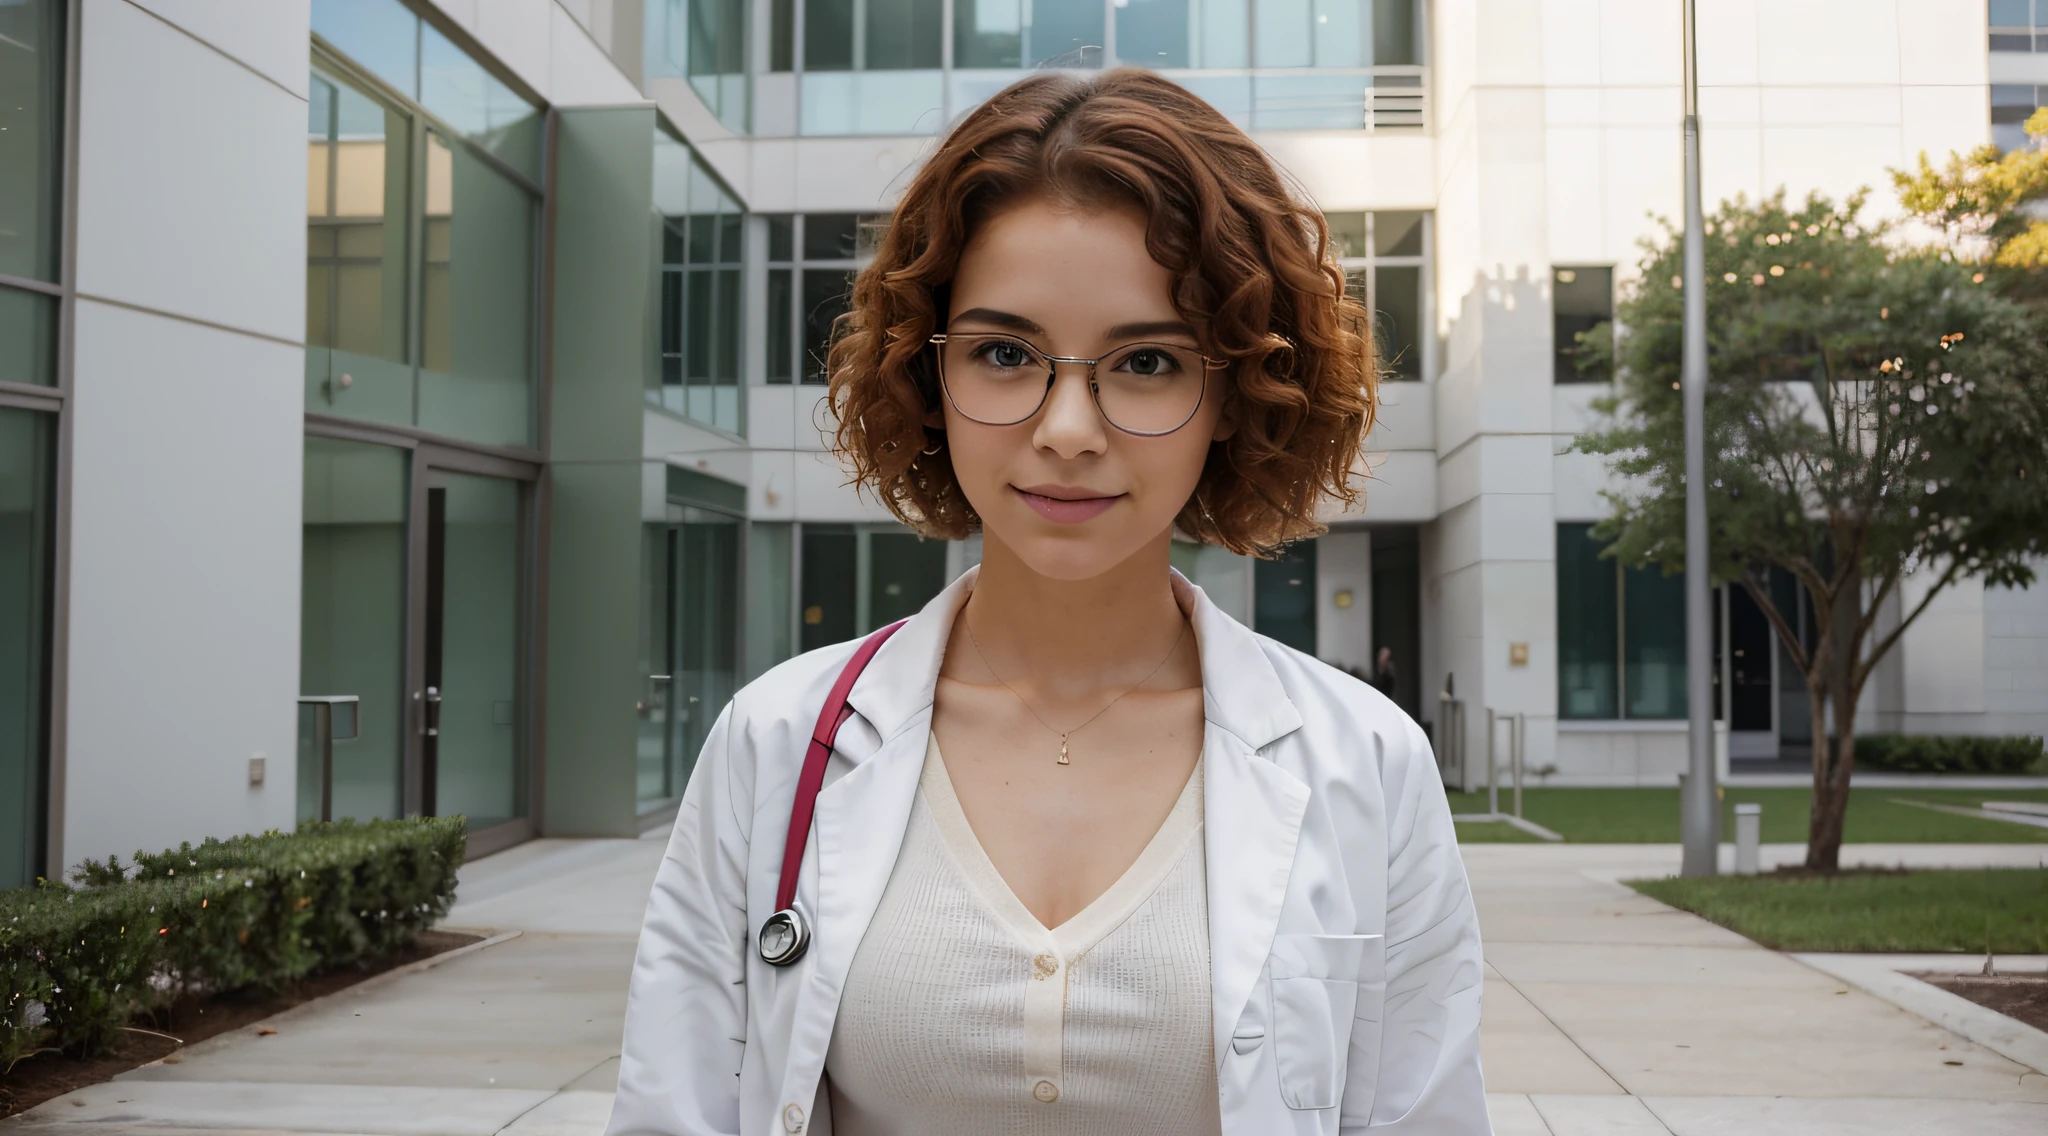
x=77, y=963
x=1934, y=753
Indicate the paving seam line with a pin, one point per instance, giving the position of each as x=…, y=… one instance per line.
x=1561, y=1032
x=2010, y=1038
x=374, y=982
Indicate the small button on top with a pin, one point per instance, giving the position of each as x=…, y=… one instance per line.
x=793, y=1118
x=1045, y=966
x=1046, y=1091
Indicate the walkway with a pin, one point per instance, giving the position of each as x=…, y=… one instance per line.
x=1605, y=1013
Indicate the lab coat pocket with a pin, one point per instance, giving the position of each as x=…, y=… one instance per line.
x=1314, y=980
x=1361, y=1082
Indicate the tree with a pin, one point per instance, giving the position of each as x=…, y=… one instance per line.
x=1990, y=205
x=1874, y=415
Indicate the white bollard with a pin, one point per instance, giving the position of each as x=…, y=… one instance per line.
x=1749, y=822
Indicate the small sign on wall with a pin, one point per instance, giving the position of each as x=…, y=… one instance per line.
x=1518, y=654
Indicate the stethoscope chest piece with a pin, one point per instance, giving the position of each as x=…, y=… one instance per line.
x=785, y=937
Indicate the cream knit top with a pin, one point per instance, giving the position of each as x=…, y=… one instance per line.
x=962, y=1013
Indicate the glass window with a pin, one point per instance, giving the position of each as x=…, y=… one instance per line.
x=1581, y=299
x=828, y=35
x=352, y=611
x=1396, y=39
x=1312, y=33
x=1284, y=596
x=1309, y=102
x=476, y=312
x=2011, y=106
x=358, y=187
x=705, y=41
x=27, y=466
x=830, y=586
x=380, y=36
x=1154, y=33
x=1588, y=627
x=698, y=370
x=903, y=34
x=28, y=337
x=2015, y=28
x=769, y=563
x=1620, y=634
x=782, y=35
x=31, y=131
x=478, y=105
x=904, y=572
x=1383, y=256
x=473, y=601
x=1028, y=33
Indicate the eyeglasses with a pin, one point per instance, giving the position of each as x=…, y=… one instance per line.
x=1147, y=389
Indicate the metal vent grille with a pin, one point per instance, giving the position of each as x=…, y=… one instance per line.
x=1396, y=101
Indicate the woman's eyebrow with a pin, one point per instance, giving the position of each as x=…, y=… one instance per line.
x=1155, y=328
x=999, y=319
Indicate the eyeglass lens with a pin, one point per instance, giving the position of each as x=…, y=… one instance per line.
x=1142, y=388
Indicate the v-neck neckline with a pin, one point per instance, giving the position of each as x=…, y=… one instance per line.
x=1104, y=913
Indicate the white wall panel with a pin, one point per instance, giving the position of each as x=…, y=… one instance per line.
x=1805, y=42
x=516, y=32
x=1727, y=31
x=1344, y=634
x=1942, y=655
x=579, y=72
x=1571, y=43
x=1641, y=44
x=187, y=455
x=191, y=178
x=1943, y=41
x=1352, y=170
x=267, y=36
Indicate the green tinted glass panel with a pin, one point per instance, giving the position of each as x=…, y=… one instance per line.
x=352, y=611
x=1653, y=643
x=830, y=585
x=768, y=596
x=380, y=36
x=358, y=185
x=1397, y=296
x=707, y=604
x=657, y=662
x=27, y=442
x=904, y=573
x=31, y=130
x=1588, y=621
x=477, y=305
x=28, y=337
x=1284, y=596
x=472, y=648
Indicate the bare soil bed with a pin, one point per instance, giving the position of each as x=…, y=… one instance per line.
x=36, y=1079
x=2020, y=996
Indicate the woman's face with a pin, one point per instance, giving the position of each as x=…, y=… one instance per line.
x=1067, y=492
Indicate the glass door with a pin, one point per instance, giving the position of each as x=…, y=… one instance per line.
x=470, y=693
x=690, y=642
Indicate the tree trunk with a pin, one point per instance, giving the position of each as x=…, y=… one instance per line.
x=1834, y=752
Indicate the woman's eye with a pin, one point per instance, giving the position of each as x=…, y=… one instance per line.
x=1150, y=362
x=1009, y=355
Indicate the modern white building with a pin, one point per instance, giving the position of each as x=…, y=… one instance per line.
x=459, y=358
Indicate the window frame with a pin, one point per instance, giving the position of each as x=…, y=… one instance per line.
x=1582, y=530
x=1558, y=347
x=1424, y=261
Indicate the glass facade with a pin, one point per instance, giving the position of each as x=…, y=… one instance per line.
x=884, y=66
x=812, y=260
x=1385, y=257
x=690, y=642
x=27, y=467
x=1284, y=596
x=705, y=41
x=2019, y=25
x=698, y=366
x=2011, y=106
x=422, y=234
x=471, y=759
x=352, y=611
x=31, y=130
x=856, y=578
x=1620, y=634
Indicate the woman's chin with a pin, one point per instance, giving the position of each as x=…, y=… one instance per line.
x=1073, y=553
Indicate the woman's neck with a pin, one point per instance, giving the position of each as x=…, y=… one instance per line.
x=1069, y=639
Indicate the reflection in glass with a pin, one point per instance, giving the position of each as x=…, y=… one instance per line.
x=1581, y=299
x=828, y=35
x=1312, y=33
x=904, y=572
x=903, y=35
x=1588, y=622
x=1397, y=234
x=706, y=41
x=1284, y=596
x=706, y=664
x=358, y=175
x=27, y=445
x=28, y=338
x=31, y=130
x=1395, y=41
x=380, y=36
x=352, y=610
x=472, y=649
x=827, y=293
x=830, y=587
x=476, y=309
x=781, y=307
x=478, y=105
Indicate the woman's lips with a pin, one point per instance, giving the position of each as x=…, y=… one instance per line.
x=1065, y=508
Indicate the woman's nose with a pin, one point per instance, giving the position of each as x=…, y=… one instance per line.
x=1070, y=424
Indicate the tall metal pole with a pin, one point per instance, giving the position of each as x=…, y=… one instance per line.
x=1699, y=810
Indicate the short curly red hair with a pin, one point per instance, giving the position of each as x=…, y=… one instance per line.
x=1255, y=277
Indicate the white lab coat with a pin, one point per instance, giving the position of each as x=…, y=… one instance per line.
x=1343, y=946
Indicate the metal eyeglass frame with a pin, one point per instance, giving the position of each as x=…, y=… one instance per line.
x=1052, y=376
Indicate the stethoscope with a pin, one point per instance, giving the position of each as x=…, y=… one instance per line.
x=787, y=934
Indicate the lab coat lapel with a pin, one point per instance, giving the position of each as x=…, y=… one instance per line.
x=1252, y=821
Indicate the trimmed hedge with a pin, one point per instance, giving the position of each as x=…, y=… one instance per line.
x=77, y=963
x=1934, y=753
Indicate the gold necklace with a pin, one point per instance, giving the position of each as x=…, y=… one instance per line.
x=1099, y=713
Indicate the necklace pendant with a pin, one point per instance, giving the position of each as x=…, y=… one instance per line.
x=1063, y=751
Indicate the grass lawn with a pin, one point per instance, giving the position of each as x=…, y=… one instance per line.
x=1918, y=911
x=1650, y=816
x=1493, y=833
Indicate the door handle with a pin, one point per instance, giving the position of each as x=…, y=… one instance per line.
x=430, y=712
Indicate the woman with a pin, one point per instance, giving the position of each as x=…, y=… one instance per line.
x=1091, y=857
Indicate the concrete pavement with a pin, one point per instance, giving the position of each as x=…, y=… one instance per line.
x=1606, y=1013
